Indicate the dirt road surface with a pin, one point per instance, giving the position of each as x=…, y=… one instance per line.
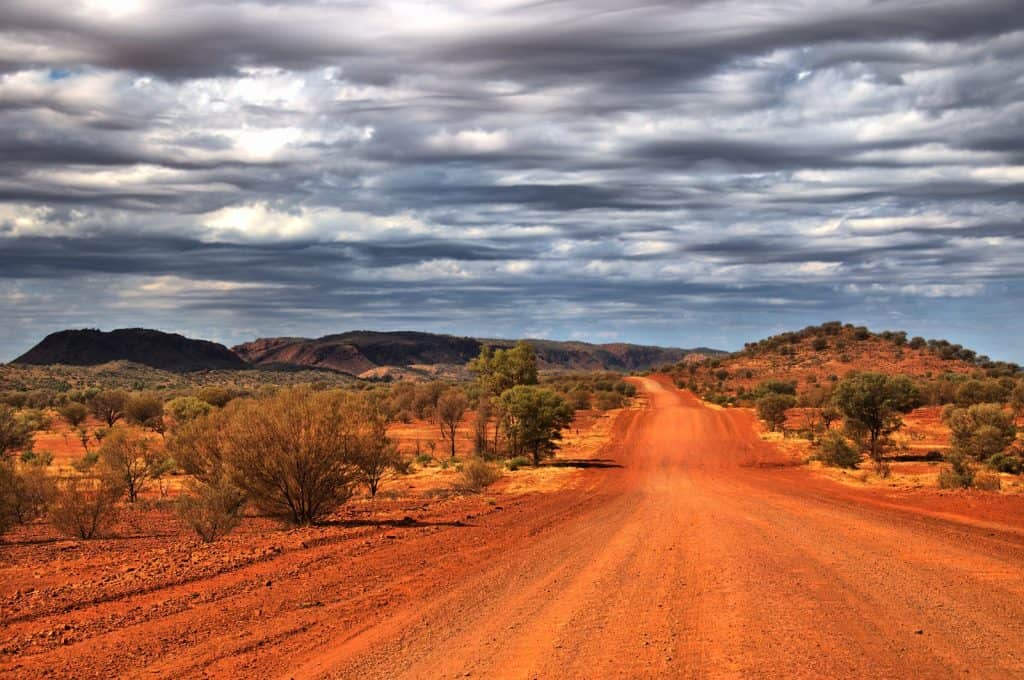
x=689, y=550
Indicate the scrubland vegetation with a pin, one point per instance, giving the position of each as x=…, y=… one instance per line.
x=848, y=391
x=213, y=453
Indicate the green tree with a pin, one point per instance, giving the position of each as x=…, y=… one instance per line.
x=25, y=491
x=772, y=407
x=109, y=406
x=367, y=445
x=1017, y=398
x=498, y=370
x=147, y=410
x=981, y=430
x=775, y=387
x=15, y=432
x=981, y=392
x=533, y=420
x=73, y=413
x=131, y=461
x=184, y=409
x=871, y=404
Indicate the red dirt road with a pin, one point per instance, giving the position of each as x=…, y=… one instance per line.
x=699, y=557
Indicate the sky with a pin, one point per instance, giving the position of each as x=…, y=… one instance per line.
x=673, y=173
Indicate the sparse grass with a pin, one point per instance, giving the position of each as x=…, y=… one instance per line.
x=987, y=481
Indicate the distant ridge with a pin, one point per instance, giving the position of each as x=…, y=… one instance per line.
x=167, y=351
x=373, y=355
x=359, y=352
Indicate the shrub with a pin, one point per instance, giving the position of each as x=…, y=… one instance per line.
x=73, y=413
x=374, y=455
x=772, y=408
x=959, y=474
x=15, y=433
x=35, y=419
x=980, y=430
x=8, y=482
x=211, y=510
x=84, y=507
x=33, y=490
x=606, y=401
x=131, y=460
x=402, y=465
x=1006, y=462
x=146, y=410
x=290, y=453
x=215, y=396
x=987, y=481
x=109, y=406
x=476, y=475
x=836, y=451
x=185, y=409
x=775, y=387
x=981, y=392
x=517, y=462
x=819, y=344
x=580, y=399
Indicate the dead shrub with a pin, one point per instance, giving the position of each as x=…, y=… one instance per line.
x=987, y=481
x=84, y=507
x=476, y=475
x=211, y=510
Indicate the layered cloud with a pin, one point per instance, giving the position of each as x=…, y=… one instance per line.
x=682, y=173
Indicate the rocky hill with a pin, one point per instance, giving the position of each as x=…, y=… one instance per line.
x=820, y=355
x=167, y=351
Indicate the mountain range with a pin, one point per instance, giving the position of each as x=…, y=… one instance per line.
x=367, y=354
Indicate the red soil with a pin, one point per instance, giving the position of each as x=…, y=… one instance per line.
x=703, y=555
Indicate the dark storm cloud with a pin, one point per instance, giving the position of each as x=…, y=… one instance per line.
x=683, y=173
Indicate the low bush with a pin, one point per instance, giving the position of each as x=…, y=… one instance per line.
x=517, y=462
x=211, y=510
x=987, y=481
x=84, y=507
x=8, y=484
x=402, y=465
x=476, y=475
x=959, y=474
x=772, y=408
x=1006, y=462
x=837, y=451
